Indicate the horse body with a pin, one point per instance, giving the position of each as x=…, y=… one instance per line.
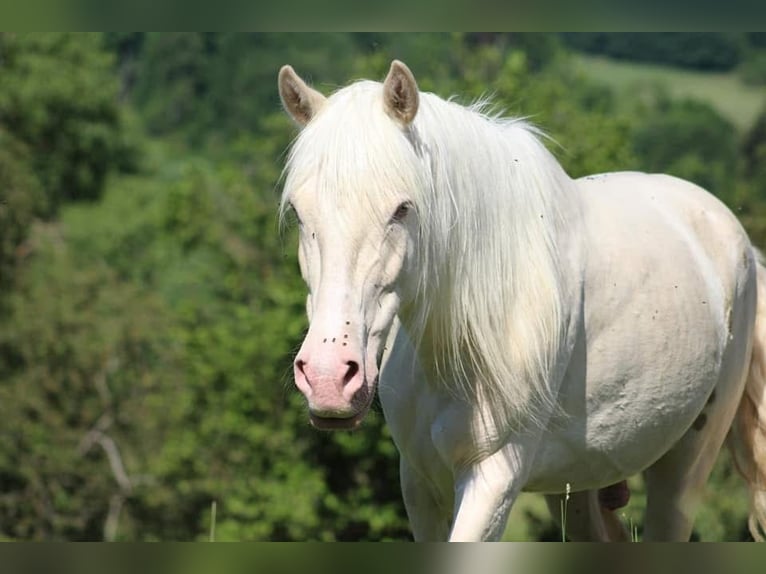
x=665, y=329
x=668, y=305
x=614, y=336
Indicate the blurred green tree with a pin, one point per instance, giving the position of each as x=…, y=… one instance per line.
x=58, y=96
x=20, y=199
x=689, y=139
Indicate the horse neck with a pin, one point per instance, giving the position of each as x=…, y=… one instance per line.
x=490, y=297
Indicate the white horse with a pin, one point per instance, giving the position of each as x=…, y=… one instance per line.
x=530, y=331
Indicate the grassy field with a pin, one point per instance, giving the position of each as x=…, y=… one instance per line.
x=724, y=91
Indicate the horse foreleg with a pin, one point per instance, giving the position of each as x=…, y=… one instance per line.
x=484, y=494
x=426, y=515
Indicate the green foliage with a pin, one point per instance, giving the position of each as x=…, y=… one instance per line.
x=205, y=84
x=754, y=154
x=751, y=203
x=753, y=69
x=690, y=140
x=753, y=66
x=591, y=133
x=204, y=242
x=632, y=82
x=20, y=200
x=58, y=96
x=698, y=50
x=76, y=368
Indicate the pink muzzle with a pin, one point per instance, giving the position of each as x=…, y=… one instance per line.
x=330, y=372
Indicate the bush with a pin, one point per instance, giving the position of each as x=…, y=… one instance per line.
x=753, y=69
x=20, y=199
x=59, y=97
x=690, y=140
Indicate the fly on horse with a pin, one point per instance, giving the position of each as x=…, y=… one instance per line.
x=526, y=331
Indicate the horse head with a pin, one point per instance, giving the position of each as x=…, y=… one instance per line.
x=350, y=182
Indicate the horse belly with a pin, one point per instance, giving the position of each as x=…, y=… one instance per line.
x=621, y=443
x=625, y=420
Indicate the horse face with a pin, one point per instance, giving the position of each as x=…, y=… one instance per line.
x=355, y=271
x=356, y=240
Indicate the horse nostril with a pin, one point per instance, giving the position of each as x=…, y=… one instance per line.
x=299, y=364
x=353, y=369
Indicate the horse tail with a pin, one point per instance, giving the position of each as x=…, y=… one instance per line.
x=748, y=433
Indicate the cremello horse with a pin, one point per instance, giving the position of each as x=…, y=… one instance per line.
x=529, y=331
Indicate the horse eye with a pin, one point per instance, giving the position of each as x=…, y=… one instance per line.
x=295, y=214
x=401, y=212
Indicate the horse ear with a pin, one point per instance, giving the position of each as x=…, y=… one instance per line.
x=300, y=101
x=400, y=93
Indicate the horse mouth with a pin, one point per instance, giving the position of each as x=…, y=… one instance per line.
x=331, y=424
x=344, y=423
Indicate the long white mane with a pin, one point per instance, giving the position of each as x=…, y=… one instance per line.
x=491, y=202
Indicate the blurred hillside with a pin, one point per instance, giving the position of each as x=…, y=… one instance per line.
x=149, y=304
